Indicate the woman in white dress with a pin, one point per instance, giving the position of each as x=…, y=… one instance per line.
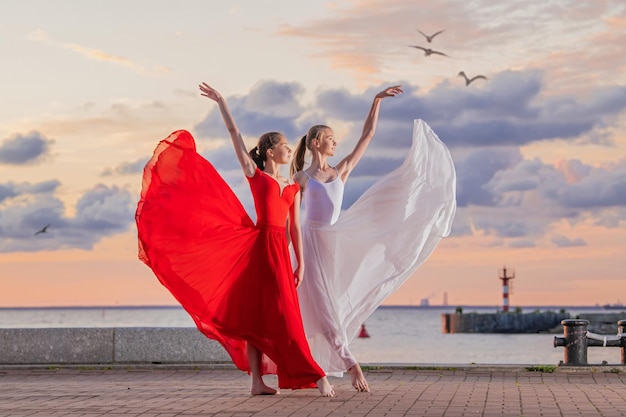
x=356, y=258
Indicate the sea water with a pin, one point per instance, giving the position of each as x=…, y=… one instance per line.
x=406, y=335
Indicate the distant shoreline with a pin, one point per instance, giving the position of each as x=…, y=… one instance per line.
x=432, y=306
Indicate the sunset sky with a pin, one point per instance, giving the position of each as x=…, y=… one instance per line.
x=89, y=88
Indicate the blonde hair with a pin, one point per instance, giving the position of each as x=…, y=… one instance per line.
x=315, y=132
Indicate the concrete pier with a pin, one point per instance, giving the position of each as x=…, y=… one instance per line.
x=501, y=322
x=120, y=345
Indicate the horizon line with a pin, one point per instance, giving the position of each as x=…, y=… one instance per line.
x=138, y=306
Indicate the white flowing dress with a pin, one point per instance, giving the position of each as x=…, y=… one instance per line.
x=356, y=258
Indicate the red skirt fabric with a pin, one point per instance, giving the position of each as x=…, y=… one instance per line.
x=234, y=278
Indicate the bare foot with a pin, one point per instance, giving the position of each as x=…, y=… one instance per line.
x=259, y=388
x=358, y=379
x=325, y=388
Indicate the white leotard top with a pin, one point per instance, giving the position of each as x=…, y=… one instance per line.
x=322, y=200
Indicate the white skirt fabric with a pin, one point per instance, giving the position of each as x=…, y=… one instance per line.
x=353, y=265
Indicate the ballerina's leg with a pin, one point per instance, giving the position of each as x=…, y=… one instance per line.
x=258, y=386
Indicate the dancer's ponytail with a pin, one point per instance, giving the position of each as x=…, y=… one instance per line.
x=297, y=164
x=254, y=154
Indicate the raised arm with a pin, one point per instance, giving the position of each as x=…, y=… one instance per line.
x=247, y=164
x=347, y=164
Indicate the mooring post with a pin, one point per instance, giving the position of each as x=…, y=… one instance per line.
x=621, y=326
x=574, y=340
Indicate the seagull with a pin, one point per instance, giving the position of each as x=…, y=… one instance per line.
x=44, y=230
x=468, y=81
x=427, y=51
x=430, y=38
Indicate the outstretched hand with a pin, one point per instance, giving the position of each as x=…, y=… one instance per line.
x=390, y=91
x=210, y=92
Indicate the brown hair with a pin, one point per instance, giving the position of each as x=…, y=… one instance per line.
x=266, y=141
x=315, y=132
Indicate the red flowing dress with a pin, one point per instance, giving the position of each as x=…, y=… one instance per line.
x=233, y=277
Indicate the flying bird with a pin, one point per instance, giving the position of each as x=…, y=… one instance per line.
x=428, y=51
x=44, y=230
x=430, y=38
x=468, y=81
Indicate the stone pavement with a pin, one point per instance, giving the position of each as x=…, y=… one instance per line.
x=210, y=390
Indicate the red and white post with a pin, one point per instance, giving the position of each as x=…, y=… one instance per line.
x=505, y=289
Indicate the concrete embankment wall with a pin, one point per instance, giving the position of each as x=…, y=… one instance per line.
x=603, y=323
x=119, y=345
x=500, y=322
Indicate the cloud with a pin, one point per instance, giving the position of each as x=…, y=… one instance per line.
x=565, y=242
x=223, y=158
x=7, y=191
x=511, y=197
x=270, y=106
x=103, y=208
x=611, y=217
x=273, y=97
x=43, y=187
x=512, y=227
x=476, y=171
x=11, y=189
x=126, y=168
x=573, y=170
x=22, y=149
x=510, y=111
x=95, y=54
x=571, y=41
x=346, y=49
x=601, y=187
x=101, y=211
x=522, y=199
x=99, y=55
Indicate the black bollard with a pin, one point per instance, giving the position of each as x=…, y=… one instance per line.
x=621, y=326
x=574, y=340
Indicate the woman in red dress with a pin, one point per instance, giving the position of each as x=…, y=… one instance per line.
x=233, y=277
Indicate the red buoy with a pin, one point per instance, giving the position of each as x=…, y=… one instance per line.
x=363, y=332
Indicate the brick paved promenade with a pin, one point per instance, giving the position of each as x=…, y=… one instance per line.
x=223, y=391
